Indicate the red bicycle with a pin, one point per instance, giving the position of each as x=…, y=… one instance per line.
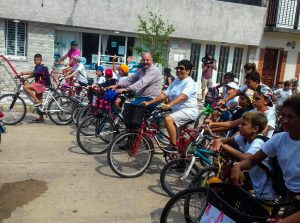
x=131, y=151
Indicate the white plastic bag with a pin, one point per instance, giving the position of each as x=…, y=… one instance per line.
x=214, y=215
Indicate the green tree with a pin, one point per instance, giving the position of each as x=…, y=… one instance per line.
x=154, y=36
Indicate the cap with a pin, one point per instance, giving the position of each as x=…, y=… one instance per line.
x=100, y=68
x=167, y=70
x=74, y=43
x=108, y=73
x=124, y=68
x=233, y=85
x=266, y=92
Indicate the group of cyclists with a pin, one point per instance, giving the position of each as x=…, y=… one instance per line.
x=250, y=115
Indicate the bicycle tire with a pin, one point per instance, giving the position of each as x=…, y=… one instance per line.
x=172, y=173
x=89, y=135
x=56, y=114
x=19, y=106
x=201, y=178
x=75, y=113
x=178, y=208
x=122, y=144
x=82, y=115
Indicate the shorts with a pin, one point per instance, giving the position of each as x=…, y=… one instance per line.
x=184, y=116
x=206, y=83
x=82, y=84
x=39, y=88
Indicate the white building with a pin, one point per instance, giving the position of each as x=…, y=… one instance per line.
x=233, y=32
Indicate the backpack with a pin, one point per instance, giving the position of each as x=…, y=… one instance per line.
x=275, y=173
x=47, y=76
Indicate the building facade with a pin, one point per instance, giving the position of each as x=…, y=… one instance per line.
x=232, y=31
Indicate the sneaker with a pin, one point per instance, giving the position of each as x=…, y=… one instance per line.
x=170, y=149
x=37, y=104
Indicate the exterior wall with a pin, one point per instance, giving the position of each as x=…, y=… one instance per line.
x=279, y=41
x=179, y=49
x=2, y=35
x=208, y=20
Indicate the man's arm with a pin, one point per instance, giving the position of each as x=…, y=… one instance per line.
x=128, y=81
x=228, y=124
x=231, y=95
x=143, y=82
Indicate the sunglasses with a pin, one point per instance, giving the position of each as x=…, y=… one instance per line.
x=179, y=68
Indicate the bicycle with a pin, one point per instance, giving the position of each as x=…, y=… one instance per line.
x=178, y=174
x=131, y=151
x=194, y=204
x=96, y=132
x=58, y=108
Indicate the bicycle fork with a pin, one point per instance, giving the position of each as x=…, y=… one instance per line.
x=136, y=145
x=187, y=172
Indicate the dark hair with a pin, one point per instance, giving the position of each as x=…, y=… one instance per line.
x=292, y=103
x=256, y=119
x=167, y=71
x=230, y=75
x=250, y=66
x=187, y=64
x=254, y=76
x=243, y=94
x=38, y=56
x=286, y=83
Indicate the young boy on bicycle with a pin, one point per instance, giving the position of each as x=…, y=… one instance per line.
x=249, y=141
x=286, y=147
x=42, y=79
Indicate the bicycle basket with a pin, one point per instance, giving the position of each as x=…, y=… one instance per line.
x=133, y=115
x=236, y=203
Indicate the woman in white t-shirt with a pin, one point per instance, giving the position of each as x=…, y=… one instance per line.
x=286, y=147
x=182, y=95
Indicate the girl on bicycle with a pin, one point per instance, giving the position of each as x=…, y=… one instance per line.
x=286, y=147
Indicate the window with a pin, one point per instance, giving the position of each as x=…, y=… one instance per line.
x=16, y=38
x=210, y=49
x=223, y=62
x=195, y=57
x=237, y=61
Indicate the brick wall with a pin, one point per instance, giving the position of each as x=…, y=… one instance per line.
x=178, y=50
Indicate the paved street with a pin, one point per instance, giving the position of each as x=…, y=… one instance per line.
x=44, y=177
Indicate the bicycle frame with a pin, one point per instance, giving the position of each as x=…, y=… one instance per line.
x=49, y=98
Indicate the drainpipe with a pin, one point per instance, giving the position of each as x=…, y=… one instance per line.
x=296, y=23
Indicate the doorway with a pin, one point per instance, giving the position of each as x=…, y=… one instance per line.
x=90, y=45
x=270, y=66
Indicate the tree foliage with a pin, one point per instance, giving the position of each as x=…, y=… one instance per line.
x=154, y=36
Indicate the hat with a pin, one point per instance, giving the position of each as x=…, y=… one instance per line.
x=124, y=68
x=266, y=92
x=74, y=43
x=100, y=68
x=108, y=73
x=233, y=85
x=167, y=70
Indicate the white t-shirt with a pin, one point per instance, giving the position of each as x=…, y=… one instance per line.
x=287, y=152
x=81, y=74
x=261, y=183
x=100, y=79
x=271, y=117
x=187, y=87
x=282, y=95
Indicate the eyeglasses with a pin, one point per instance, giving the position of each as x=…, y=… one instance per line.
x=179, y=68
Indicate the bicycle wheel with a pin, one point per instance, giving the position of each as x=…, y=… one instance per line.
x=172, y=176
x=94, y=134
x=119, y=154
x=60, y=110
x=202, y=177
x=82, y=115
x=186, y=206
x=13, y=108
x=75, y=112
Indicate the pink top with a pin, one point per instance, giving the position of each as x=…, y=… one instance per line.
x=71, y=54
